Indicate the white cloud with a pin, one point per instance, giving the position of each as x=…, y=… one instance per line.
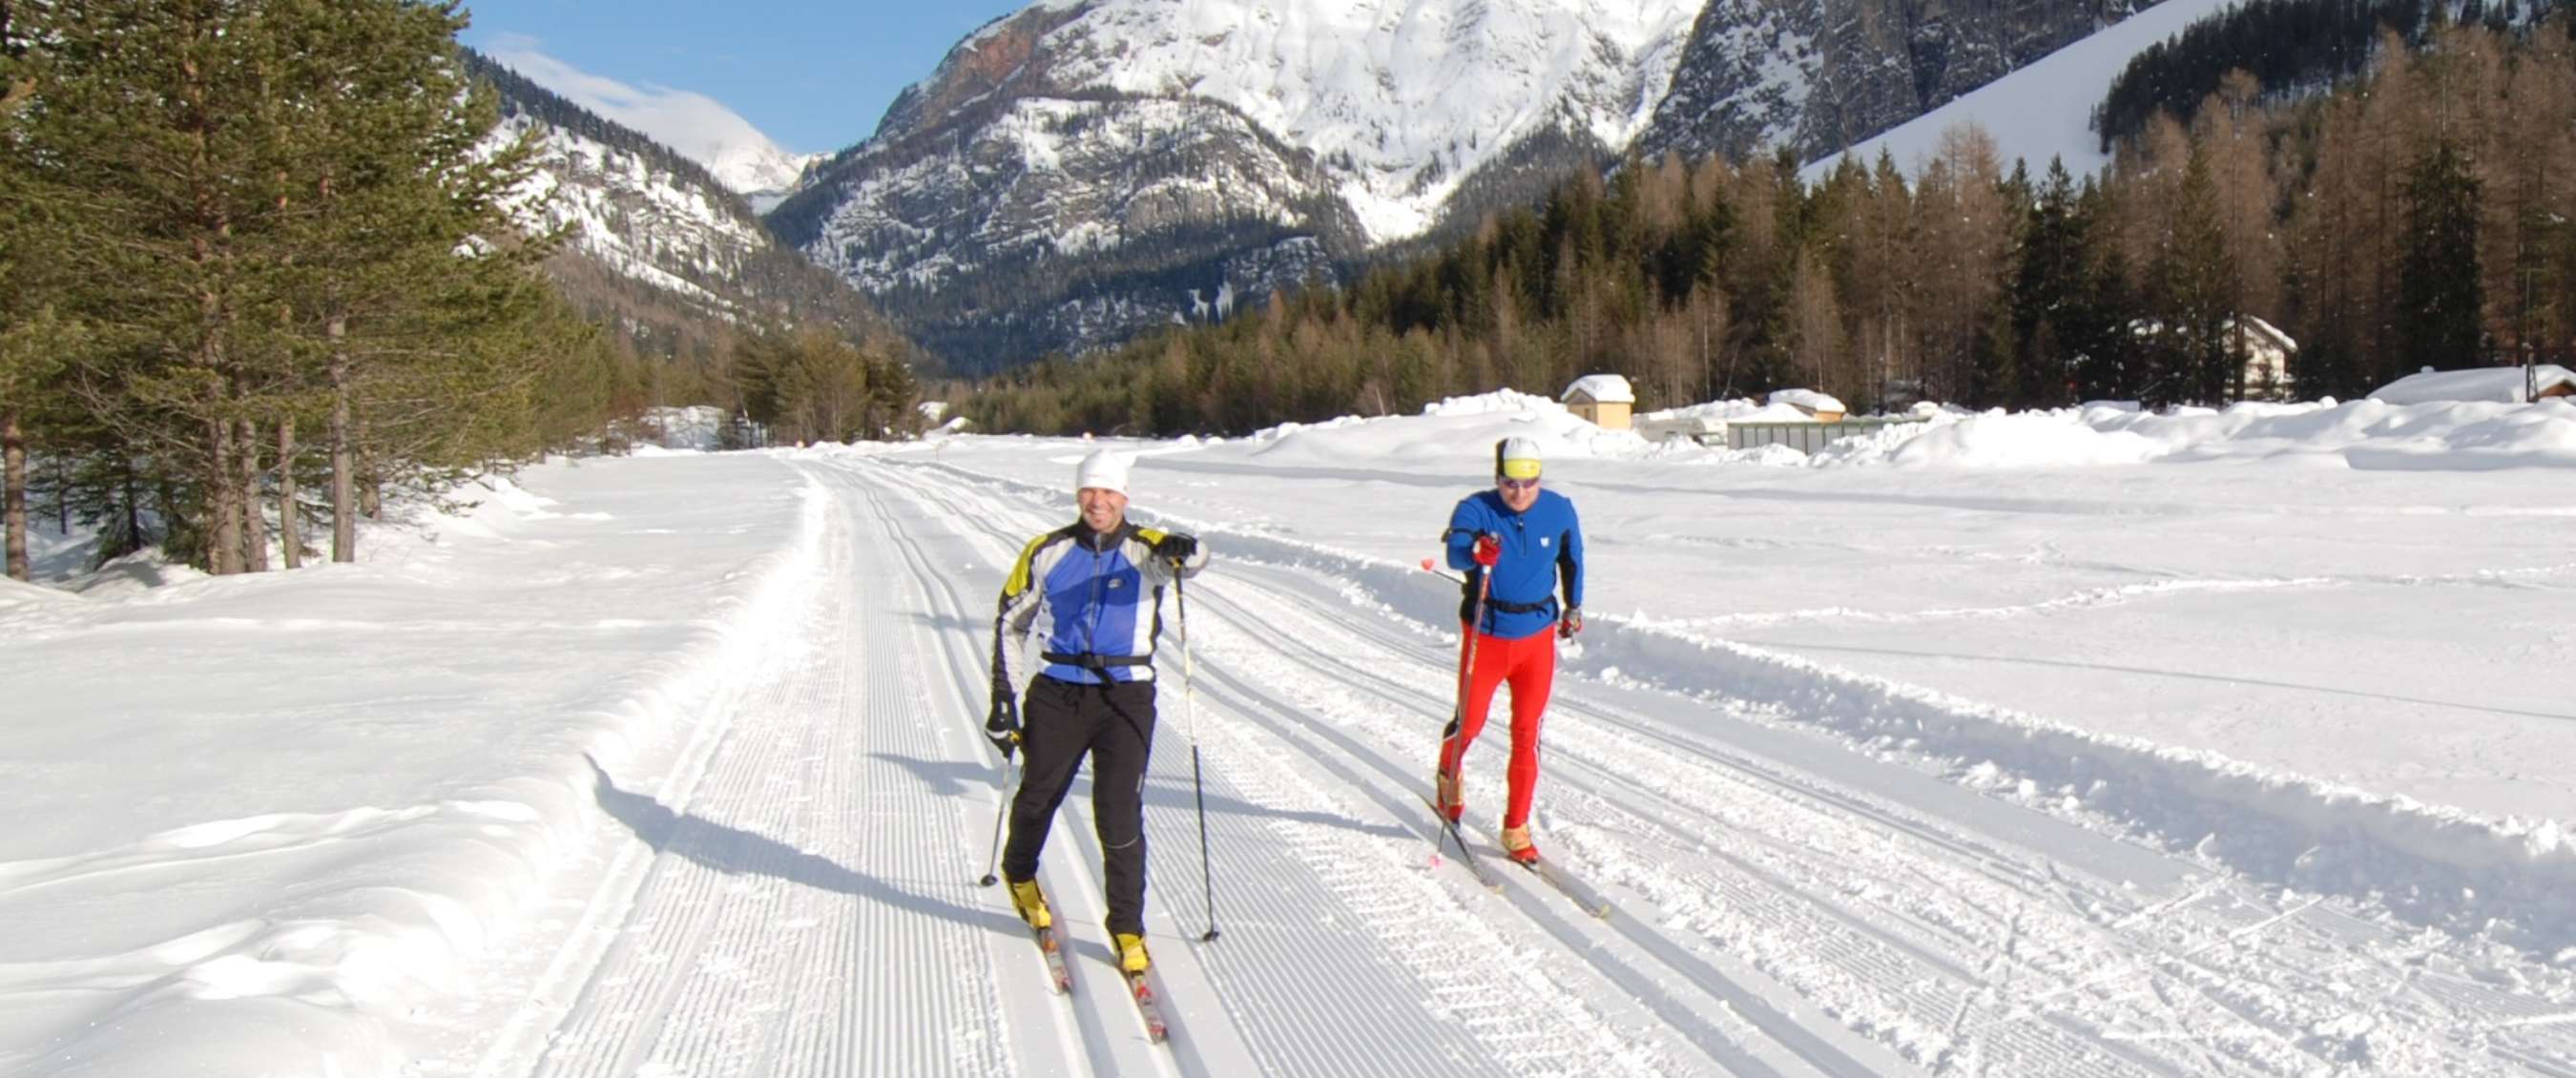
x=699, y=127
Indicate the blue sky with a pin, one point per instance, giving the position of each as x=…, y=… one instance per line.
x=815, y=75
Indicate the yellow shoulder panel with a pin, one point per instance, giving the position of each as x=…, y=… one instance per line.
x=1019, y=581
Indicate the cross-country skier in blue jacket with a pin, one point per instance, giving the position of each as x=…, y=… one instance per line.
x=1097, y=584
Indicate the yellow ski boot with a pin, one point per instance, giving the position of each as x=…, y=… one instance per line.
x=1031, y=903
x=1517, y=846
x=1132, y=958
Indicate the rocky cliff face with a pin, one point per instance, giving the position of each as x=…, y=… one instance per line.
x=1819, y=75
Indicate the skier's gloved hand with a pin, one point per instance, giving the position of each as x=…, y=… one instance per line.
x=1489, y=550
x=1176, y=547
x=1570, y=624
x=1003, y=724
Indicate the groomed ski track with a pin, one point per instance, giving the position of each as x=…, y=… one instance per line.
x=795, y=892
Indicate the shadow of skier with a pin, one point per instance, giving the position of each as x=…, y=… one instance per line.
x=736, y=852
x=948, y=778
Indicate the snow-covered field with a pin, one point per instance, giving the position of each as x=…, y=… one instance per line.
x=2074, y=743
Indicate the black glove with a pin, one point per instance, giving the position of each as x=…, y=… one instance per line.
x=1003, y=725
x=1176, y=547
x=1570, y=624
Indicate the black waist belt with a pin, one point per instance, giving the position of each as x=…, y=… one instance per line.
x=1521, y=608
x=1090, y=661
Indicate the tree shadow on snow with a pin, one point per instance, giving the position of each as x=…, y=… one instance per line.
x=736, y=852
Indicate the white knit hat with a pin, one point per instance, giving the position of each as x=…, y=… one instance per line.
x=1517, y=457
x=1104, y=470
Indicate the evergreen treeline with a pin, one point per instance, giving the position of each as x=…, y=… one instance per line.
x=2282, y=43
x=258, y=269
x=2417, y=216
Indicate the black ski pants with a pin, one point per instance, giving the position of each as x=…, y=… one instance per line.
x=1060, y=723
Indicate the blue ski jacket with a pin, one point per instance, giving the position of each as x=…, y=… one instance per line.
x=1542, y=549
x=1100, y=597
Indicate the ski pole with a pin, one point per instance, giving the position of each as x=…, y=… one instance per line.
x=1190, y=729
x=1467, y=666
x=993, y=872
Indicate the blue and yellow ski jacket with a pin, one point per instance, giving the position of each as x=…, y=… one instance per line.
x=1542, y=548
x=1102, y=596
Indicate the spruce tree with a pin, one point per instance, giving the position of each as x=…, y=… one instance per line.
x=2438, y=294
x=2194, y=289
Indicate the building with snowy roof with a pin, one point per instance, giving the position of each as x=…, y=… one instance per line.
x=1604, y=399
x=1823, y=408
x=2490, y=385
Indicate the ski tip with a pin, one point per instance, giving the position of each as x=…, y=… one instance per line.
x=1426, y=564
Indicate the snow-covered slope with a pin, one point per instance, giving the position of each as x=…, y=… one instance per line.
x=1817, y=75
x=2044, y=110
x=661, y=247
x=644, y=223
x=1250, y=144
x=738, y=154
x=1395, y=101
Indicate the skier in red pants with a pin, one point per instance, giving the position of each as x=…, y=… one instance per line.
x=1529, y=541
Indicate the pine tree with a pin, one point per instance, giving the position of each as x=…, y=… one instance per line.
x=2437, y=319
x=2193, y=292
x=2046, y=288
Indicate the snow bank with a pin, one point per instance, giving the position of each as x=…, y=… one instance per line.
x=359, y=776
x=2360, y=435
x=2501, y=879
x=1454, y=437
x=2484, y=385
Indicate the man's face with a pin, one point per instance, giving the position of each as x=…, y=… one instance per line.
x=1518, y=494
x=1102, y=509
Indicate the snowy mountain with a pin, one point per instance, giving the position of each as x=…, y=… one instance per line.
x=760, y=172
x=1071, y=172
x=661, y=244
x=645, y=222
x=738, y=154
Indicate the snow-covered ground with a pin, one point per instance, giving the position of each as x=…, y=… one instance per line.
x=2077, y=743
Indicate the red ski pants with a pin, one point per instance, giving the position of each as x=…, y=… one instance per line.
x=1529, y=664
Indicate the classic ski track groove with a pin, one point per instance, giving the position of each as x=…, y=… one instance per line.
x=1715, y=984
x=740, y=949
x=1268, y=978
x=814, y=848
x=1778, y=908
x=2212, y=990
x=1101, y=1030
